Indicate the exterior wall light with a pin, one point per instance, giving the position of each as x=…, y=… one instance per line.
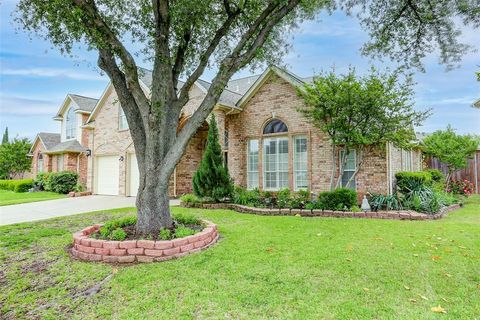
x=88, y=152
x=121, y=158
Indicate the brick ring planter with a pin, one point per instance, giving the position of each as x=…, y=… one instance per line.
x=129, y=251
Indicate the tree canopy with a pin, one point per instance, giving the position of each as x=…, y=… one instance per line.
x=14, y=158
x=451, y=148
x=362, y=112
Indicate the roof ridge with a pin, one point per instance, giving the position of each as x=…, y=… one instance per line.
x=81, y=96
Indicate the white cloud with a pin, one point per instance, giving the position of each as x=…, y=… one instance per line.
x=52, y=72
x=21, y=106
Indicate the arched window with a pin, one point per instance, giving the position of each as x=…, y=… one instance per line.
x=275, y=126
x=70, y=124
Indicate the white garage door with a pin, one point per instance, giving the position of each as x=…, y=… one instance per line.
x=107, y=175
x=133, y=175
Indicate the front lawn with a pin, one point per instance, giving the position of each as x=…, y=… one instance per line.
x=10, y=197
x=262, y=268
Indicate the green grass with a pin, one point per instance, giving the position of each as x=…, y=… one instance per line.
x=10, y=197
x=263, y=268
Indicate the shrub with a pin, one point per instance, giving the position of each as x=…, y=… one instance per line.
x=165, y=234
x=22, y=185
x=189, y=199
x=182, y=231
x=247, y=197
x=42, y=181
x=63, y=182
x=463, y=187
x=338, y=199
x=118, y=234
x=284, y=197
x=186, y=219
x=107, y=229
x=212, y=178
x=437, y=175
x=407, y=180
x=384, y=202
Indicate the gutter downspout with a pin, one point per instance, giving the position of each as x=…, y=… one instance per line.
x=476, y=171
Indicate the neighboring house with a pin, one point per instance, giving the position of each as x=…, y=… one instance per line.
x=266, y=142
x=67, y=150
x=476, y=104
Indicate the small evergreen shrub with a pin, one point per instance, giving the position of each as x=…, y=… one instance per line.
x=189, y=199
x=212, y=178
x=246, y=197
x=118, y=234
x=63, y=182
x=284, y=198
x=339, y=199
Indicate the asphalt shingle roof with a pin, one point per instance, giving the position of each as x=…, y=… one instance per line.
x=67, y=146
x=83, y=103
x=49, y=140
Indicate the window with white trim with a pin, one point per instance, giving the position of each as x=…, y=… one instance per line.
x=406, y=160
x=40, y=163
x=252, y=164
x=300, y=162
x=122, y=120
x=275, y=163
x=70, y=125
x=60, y=162
x=350, y=167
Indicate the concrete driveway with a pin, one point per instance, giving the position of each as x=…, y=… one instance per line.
x=34, y=211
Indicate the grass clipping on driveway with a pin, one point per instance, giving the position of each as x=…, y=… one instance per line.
x=263, y=268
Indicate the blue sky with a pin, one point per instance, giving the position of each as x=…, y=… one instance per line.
x=34, y=77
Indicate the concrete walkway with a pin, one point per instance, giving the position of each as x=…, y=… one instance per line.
x=34, y=211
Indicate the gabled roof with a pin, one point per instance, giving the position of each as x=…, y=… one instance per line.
x=67, y=146
x=49, y=140
x=291, y=78
x=80, y=104
x=476, y=104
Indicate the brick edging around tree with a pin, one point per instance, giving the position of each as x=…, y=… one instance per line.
x=398, y=215
x=129, y=251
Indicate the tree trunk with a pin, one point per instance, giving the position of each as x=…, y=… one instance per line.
x=153, y=209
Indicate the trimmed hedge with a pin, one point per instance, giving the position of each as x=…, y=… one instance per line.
x=22, y=185
x=406, y=179
x=60, y=182
x=339, y=199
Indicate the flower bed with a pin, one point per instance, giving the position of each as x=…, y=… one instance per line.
x=129, y=251
x=399, y=215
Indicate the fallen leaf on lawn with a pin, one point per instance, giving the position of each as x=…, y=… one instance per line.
x=366, y=289
x=319, y=234
x=436, y=258
x=377, y=238
x=448, y=275
x=478, y=286
x=423, y=297
x=444, y=299
x=114, y=270
x=349, y=260
x=349, y=247
x=297, y=215
x=462, y=247
x=412, y=300
x=406, y=287
x=447, y=249
x=414, y=245
x=415, y=255
x=438, y=309
x=269, y=250
x=438, y=238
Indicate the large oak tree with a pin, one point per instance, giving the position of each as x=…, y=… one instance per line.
x=184, y=37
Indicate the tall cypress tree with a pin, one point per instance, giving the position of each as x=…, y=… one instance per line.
x=5, y=136
x=212, y=178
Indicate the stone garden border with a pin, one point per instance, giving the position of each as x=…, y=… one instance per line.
x=129, y=251
x=398, y=215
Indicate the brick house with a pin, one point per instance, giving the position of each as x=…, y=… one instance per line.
x=54, y=152
x=267, y=143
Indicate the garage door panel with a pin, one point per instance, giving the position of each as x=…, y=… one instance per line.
x=107, y=175
x=134, y=176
